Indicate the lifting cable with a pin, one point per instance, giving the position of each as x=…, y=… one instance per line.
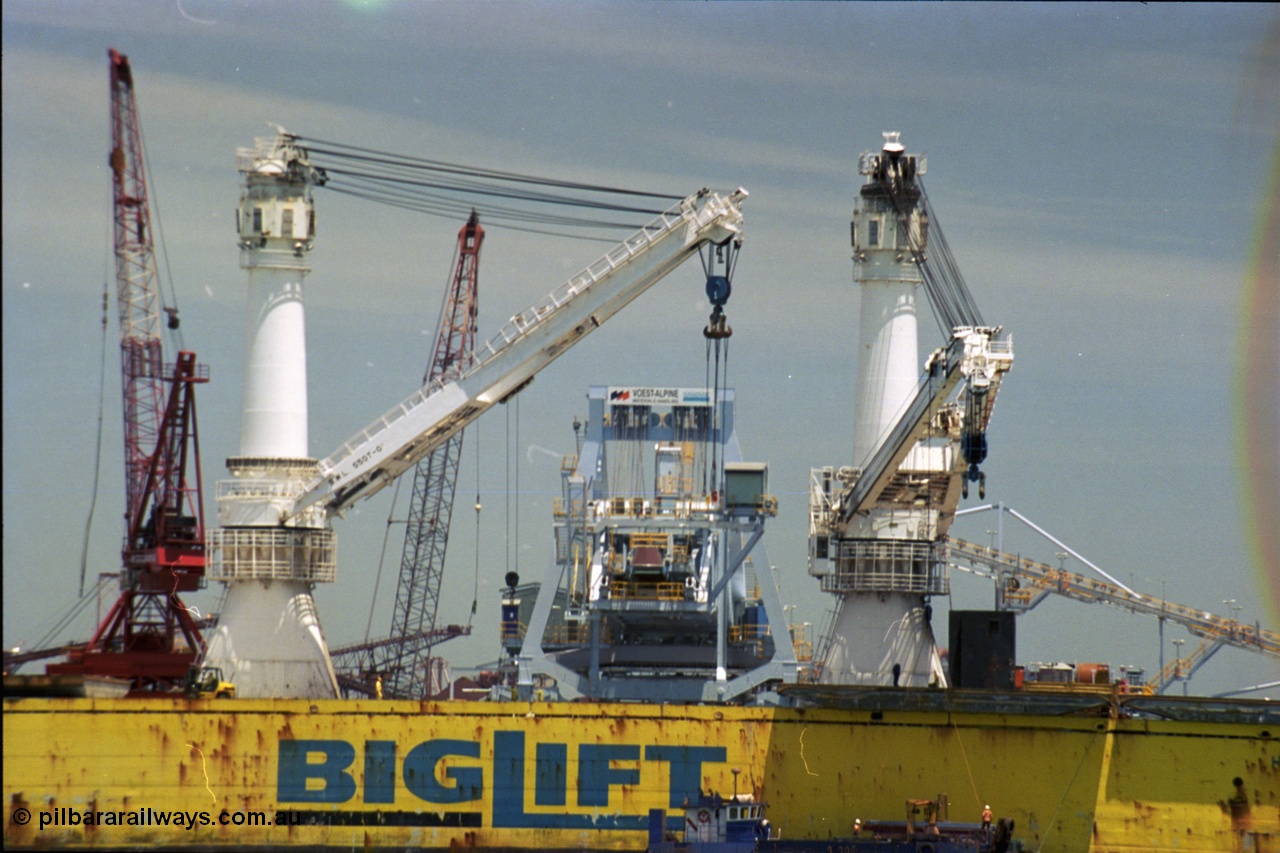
x=713, y=433
x=97, y=452
x=494, y=216
x=398, y=193
x=506, y=544
x=952, y=279
x=517, y=467
x=480, y=188
x=703, y=432
x=446, y=189
x=475, y=591
x=441, y=166
x=70, y=615
x=721, y=258
x=382, y=557
x=169, y=307
x=953, y=304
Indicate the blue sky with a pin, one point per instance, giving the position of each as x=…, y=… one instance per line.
x=1098, y=169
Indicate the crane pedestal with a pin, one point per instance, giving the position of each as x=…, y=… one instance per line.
x=269, y=642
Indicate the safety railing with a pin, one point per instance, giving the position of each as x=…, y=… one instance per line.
x=257, y=489
x=575, y=507
x=273, y=553
x=1043, y=579
x=574, y=635
x=526, y=321
x=649, y=540
x=888, y=565
x=749, y=632
x=647, y=591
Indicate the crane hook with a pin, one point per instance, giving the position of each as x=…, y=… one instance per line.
x=717, y=328
x=718, y=266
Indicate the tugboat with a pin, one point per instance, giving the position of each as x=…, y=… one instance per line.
x=714, y=824
x=738, y=824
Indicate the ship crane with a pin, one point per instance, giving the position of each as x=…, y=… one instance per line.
x=149, y=637
x=876, y=529
x=374, y=457
x=972, y=362
x=276, y=538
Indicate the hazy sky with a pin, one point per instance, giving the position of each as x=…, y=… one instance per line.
x=1099, y=170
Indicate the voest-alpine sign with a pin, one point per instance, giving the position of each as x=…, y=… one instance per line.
x=659, y=396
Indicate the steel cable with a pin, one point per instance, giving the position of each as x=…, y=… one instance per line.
x=441, y=188
x=407, y=161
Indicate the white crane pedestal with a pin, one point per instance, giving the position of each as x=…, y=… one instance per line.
x=268, y=640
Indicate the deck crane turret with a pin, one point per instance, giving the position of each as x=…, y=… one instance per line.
x=149, y=637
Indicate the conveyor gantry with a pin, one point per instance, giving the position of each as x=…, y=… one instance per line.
x=1037, y=580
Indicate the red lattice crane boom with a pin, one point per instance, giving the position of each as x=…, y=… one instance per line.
x=149, y=637
x=435, y=481
x=137, y=291
x=403, y=658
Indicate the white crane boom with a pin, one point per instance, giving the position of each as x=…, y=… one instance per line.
x=974, y=356
x=391, y=445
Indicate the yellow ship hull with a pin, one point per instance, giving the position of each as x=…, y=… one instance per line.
x=275, y=774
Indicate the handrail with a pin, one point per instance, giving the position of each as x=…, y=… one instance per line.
x=1182, y=667
x=519, y=326
x=1045, y=578
x=509, y=360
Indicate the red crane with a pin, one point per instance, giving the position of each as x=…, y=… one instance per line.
x=404, y=656
x=149, y=637
x=435, y=480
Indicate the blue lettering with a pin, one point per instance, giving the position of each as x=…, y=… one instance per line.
x=321, y=771
x=420, y=772
x=296, y=770
x=508, y=795
x=686, y=768
x=596, y=771
x=550, y=782
x=379, y=771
